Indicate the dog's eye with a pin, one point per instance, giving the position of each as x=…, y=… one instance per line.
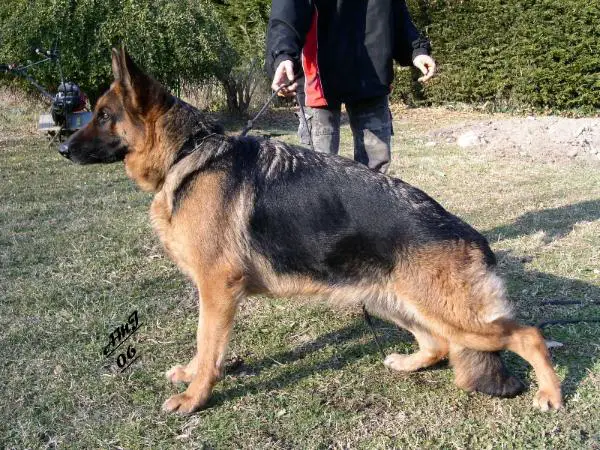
x=103, y=116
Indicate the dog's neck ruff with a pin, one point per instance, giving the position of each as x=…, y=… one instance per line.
x=191, y=144
x=192, y=161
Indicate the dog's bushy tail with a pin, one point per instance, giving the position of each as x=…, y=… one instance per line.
x=484, y=372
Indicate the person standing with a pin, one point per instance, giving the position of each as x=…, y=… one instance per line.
x=345, y=49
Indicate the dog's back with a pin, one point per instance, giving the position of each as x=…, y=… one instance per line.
x=324, y=216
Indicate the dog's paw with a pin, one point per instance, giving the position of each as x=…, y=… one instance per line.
x=179, y=374
x=546, y=400
x=182, y=404
x=401, y=363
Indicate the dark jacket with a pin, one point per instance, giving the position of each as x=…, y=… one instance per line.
x=347, y=45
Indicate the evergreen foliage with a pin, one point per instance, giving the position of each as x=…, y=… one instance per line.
x=541, y=54
x=244, y=23
x=173, y=40
x=510, y=54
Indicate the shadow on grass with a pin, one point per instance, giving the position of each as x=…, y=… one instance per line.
x=388, y=335
x=540, y=287
x=556, y=222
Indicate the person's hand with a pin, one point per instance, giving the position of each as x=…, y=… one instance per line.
x=426, y=65
x=284, y=74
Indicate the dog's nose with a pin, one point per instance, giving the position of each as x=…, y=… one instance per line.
x=63, y=149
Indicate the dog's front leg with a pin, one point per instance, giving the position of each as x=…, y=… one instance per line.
x=219, y=296
x=184, y=374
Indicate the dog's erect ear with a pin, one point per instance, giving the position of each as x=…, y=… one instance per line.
x=124, y=69
x=130, y=71
x=140, y=90
x=116, y=64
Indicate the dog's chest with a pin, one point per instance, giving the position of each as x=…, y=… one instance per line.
x=160, y=217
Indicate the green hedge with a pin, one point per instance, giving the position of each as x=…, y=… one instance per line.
x=510, y=54
x=540, y=54
x=175, y=40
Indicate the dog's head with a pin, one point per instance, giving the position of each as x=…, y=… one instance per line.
x=124, y=117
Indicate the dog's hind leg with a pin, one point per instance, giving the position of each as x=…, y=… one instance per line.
x=452, y=289
x=483, y=372
x=432, y=349
x=527, y=342
x=220, y=293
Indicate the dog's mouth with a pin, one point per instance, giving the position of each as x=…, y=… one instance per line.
x=92, y=155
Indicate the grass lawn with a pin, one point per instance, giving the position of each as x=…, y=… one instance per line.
x=77, y=257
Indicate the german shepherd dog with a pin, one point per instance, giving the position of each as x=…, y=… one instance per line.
x=243, y=216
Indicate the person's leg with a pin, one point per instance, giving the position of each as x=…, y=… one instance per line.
x=303, y=130
x=371, y=124
x=324, y=124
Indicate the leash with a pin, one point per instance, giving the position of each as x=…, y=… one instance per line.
x=369, y=321
x=250, y=123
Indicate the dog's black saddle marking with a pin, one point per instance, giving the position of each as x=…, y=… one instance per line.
x=336, y=221
x=325, y=216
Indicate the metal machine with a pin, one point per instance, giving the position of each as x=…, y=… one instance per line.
x=68, y=110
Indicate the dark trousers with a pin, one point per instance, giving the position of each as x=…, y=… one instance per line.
x=371, y=124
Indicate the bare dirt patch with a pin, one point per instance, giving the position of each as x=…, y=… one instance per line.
x=547, y=139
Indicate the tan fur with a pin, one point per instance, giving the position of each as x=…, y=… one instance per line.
x=432, y=349
x=146, y=166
